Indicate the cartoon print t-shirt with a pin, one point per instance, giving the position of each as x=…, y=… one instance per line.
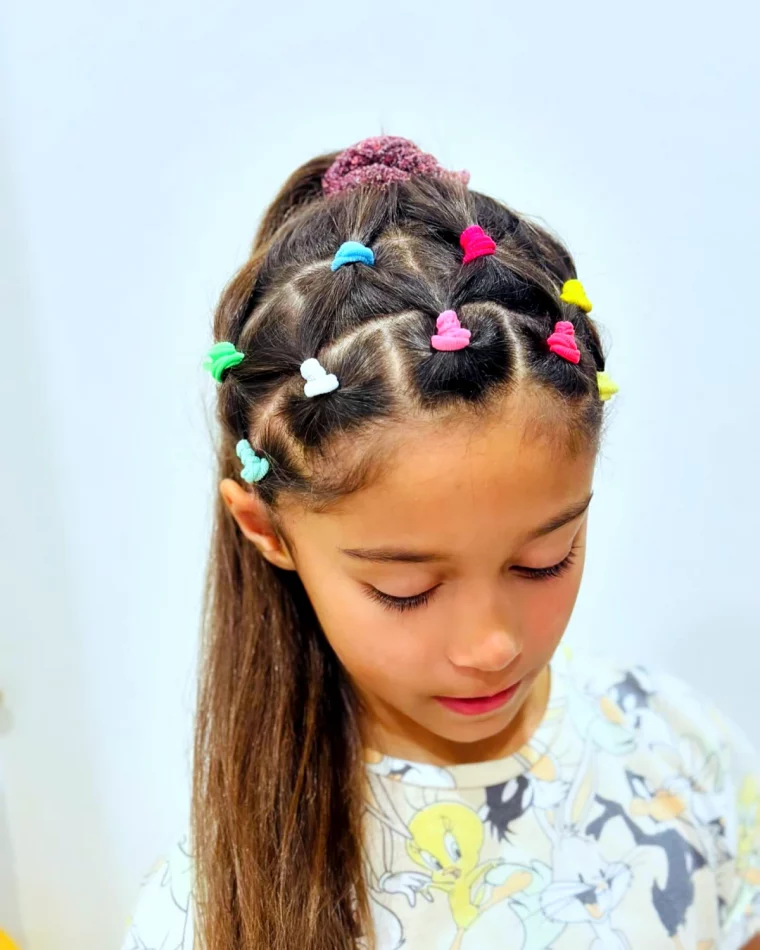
x=631, y=819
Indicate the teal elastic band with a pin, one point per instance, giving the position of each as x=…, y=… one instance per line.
x=352, y=252
x=221, y=357
x=254, y=467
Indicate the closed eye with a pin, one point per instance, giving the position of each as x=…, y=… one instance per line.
x=542, y=573
x=419, y=600
x=400, y=603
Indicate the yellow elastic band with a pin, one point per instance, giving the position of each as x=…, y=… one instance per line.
x=573, y=292
x=607, y=388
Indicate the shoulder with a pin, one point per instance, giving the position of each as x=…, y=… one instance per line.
x=163, y=917
x=652, y=709
x=687, y=766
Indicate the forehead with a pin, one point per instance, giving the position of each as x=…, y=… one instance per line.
x=449, y=484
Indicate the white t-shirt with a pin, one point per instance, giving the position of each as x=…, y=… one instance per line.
x=631, y=820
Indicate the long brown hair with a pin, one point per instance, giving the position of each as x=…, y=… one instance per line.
x=278, y=773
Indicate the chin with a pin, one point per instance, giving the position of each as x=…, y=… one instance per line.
x=468, y=729
x=470, y=733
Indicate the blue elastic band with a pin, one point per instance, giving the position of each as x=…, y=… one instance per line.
x=254, y=467
x=352, y=252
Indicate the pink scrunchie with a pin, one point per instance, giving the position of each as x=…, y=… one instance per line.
x=451, y=334
x=476, y=243
x=562, y=342
x=382, y=159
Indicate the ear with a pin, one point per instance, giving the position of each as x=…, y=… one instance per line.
x=254, y=520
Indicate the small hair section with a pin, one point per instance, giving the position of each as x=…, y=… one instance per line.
x=255, y=467
x=573, y=292
x=476, y=243
x=562, y=342
x=451, y=334
x=318, y=381
x=221, y=357
x=607, y=387
x=353, y=252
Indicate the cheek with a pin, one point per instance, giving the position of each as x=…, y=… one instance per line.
x=546, y=607
x=386, y=664
x=376, y=646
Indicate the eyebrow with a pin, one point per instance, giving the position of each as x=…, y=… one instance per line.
x=422, y=557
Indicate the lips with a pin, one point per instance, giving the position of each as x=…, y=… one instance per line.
x=477, y=705
x=482, y=696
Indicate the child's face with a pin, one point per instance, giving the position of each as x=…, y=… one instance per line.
x=474, y=498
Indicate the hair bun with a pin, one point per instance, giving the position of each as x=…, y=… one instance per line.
x=380, y=160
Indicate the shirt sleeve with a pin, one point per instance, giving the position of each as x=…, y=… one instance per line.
x=163, y=918
x=739, y=887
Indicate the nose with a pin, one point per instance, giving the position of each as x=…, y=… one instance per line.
x=489, y=654
x=486, y=644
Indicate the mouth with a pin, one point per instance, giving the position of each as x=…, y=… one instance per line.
x=478, y=705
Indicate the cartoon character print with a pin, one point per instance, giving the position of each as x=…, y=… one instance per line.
x=153, y=928
x=632, y=692
x=586, y=888
x=618, y=715
x=684, y=809
x=388, y=825
x=445, y=840
x=391, y=828
x=597, y=718
x=698, y=780
x=414, y=773
x=540, y=786
x=631, y=697
x=660, y=808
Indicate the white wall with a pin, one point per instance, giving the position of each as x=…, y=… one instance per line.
x=139, y=143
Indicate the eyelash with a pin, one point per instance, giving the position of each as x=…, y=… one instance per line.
x=556, y=570
x=400, y=603
x=419, y=600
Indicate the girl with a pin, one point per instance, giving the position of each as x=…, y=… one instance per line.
x=389, y=751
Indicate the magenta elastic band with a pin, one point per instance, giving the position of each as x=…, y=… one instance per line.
x=562, y=342
x=476, y=243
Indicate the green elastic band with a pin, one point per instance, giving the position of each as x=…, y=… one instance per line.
x=222, y=356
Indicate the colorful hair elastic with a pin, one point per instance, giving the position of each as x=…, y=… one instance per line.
x=573, y=292
x=220, y=357
x=476, y=243
x=451, y=334
x=607, y=388
x=254, y=466
x=562, y=342
x=318, y=380
x=352, y=252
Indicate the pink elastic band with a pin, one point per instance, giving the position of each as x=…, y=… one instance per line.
x=562, y=342
x=451, y=334
x=476, y=243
